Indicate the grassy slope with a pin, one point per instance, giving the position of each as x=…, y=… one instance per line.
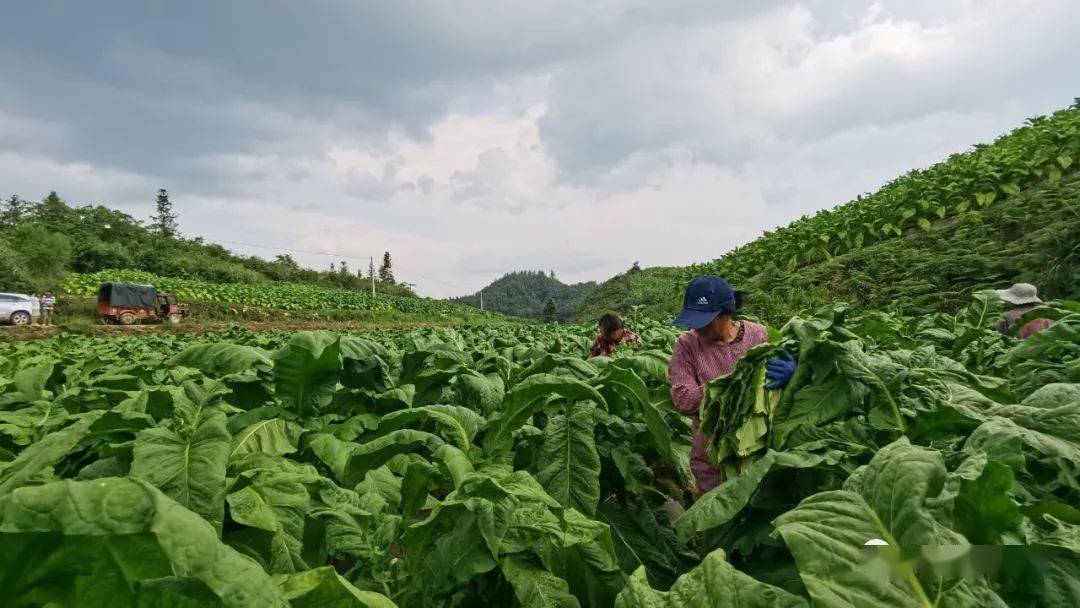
x=1033, y=237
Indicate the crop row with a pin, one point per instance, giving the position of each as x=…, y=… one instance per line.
x=1046, y=148
x=285, y=296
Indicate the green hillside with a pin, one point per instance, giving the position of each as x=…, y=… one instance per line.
x=73, y=249
x=43, y=241
x=1001, y=213
x=523, y=294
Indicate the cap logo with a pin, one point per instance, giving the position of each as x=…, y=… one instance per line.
x=703, y=300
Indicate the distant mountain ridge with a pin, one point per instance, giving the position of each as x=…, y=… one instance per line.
x=523, y=294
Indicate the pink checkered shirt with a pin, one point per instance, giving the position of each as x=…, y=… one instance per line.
x=694, y=363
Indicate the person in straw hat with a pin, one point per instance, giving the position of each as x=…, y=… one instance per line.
x=1021, y=299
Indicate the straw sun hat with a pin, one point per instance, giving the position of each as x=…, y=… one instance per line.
x=1020, y=293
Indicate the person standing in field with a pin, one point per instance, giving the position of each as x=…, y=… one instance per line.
x=35, y=308
x=48, y=302
x=1021, y=299
x=611, y=334
x=716, y=340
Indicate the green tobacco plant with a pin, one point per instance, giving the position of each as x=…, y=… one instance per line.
x=272, y=295
x=1043, y=150
x=498, y=465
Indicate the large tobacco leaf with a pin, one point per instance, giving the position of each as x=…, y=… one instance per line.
x=569, y=464
x=481, y=393
x=713, y=584
x=459, y=424
x=324, y=587
x=534, y=586
x=1049, y=435
x=117, y=542
x=644, y=537
x=818, y=404
x=886, y=501
x=39, y=458
x=274, y=436
x=528, y=396
x=306, y=369
x=721, y=504
x=186, y=460
x=225, y=361
x=625, y=382
x=270, y=496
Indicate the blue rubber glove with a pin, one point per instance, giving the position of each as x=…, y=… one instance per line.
x=779, y=370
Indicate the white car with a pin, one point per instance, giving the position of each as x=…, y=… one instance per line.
x=15, y=309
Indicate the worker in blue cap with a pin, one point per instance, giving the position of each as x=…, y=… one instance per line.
x=715, y=341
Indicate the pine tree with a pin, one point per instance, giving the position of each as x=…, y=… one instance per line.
x=164, y=218
x=549, y=311
x=13, y=211
x=52, y=208
x=286, y=260
x=53, y=213
x=344, y=270
x=552, y=275
x=386, y=273
x=52, y=200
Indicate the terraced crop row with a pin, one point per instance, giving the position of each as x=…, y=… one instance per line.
x=285, y=296
x=1045, y=149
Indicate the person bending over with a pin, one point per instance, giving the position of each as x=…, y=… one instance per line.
x=1021, y=299
x=611, y=334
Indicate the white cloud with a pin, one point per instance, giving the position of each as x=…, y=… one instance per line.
x=495, y=203
x=96, y=185
x=732, y=90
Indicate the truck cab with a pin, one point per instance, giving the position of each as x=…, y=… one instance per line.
x=130, y=303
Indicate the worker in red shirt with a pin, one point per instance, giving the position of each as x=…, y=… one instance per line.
x=1021, y=299
x=611, y=334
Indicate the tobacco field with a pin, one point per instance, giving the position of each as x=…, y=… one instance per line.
x=275, y=295
x=497, y=466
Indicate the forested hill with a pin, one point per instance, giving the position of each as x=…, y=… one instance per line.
x=524, y=293
x=42, y=241
x=1000, y=213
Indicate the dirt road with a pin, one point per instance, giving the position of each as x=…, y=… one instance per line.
x=37, y=332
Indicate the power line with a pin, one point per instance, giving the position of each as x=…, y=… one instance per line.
x=291, y=250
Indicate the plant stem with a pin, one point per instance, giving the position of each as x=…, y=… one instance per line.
x=916, y=586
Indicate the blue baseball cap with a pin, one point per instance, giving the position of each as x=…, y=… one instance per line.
x=706, y=298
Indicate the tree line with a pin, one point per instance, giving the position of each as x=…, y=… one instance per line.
x=41, y=241
x=535, y=295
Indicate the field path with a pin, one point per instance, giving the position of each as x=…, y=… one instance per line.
x=37, y=332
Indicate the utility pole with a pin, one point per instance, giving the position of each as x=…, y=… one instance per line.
x=371, y=273
x=481, y=300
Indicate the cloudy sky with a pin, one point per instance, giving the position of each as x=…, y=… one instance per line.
x=474, y=138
